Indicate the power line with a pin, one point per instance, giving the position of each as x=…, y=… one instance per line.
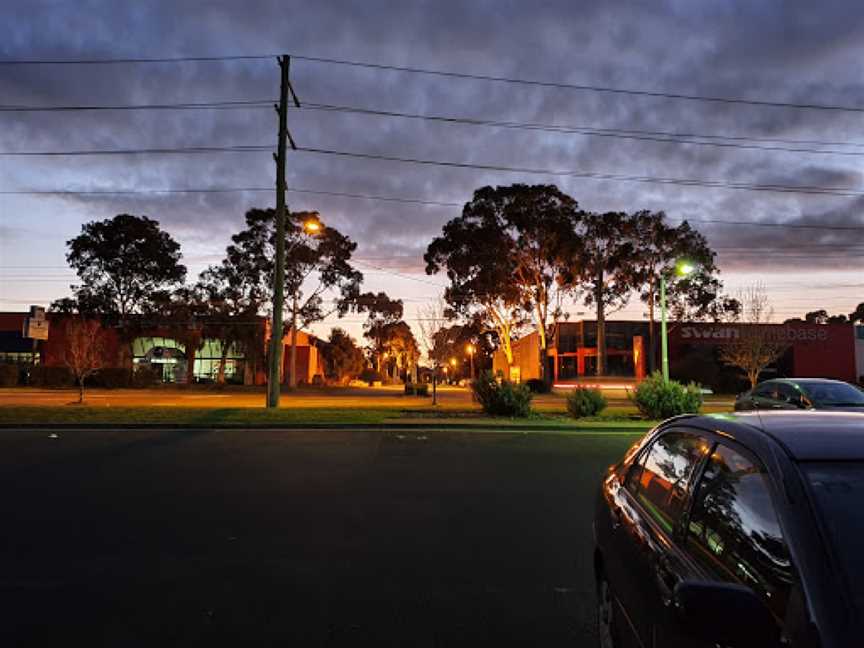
x=446, y=74
x=667, y=137
x=638, y=135
x=594, y=175
x=254, y=148
x=221, y=105
x=397, y=199
x=585, y=175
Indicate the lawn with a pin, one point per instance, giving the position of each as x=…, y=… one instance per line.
x=303, y=407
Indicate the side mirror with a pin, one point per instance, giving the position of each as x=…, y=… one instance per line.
x=725, y=613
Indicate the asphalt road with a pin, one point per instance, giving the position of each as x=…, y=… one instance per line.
x=318, y=538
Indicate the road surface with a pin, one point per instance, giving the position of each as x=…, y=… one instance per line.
x=312, y=538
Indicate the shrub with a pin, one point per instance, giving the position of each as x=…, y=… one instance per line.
x=537, y=386
x=42, y=376
x=9, y=375
x=416, y=389
x=144, y=377
x=370, y=375
x=585, y=401
x=111, y=378
x=502, y=399
x=656, y=399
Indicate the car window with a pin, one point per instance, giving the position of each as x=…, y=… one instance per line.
x=766, y=390
x=733, y=530
x=788, y=394
x=661, y=486
x=836, y=394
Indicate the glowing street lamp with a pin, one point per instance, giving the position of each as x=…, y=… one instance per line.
x=471, y=349
x=682, y=269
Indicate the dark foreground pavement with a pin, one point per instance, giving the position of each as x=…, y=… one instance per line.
x=298, y=538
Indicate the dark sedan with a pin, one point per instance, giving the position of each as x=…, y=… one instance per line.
x=735, y=530
x=802, y=393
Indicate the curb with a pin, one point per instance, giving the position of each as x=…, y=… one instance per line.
x=358, y=427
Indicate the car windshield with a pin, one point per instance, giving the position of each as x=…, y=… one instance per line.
x=839, y=489
x=835, y=394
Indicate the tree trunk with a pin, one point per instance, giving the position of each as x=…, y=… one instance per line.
x=293, y=378
x=601, y=324
x=191, y=352
x=81, y=390
x=220, y=376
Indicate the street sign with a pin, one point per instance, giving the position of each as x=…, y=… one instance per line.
x=35, y=326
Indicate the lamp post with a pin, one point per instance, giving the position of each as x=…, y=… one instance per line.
x=682, y=269
x=311, y=226
x=470, y=349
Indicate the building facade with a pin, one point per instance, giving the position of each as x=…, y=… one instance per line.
x=203, y=351
x=812, y=350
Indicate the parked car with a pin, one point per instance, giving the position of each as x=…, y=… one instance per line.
x=802, y=393
x=735, y=530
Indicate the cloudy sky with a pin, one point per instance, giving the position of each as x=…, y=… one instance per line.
x=780, y=52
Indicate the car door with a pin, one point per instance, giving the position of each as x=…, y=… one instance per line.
x=732, y=529
x=650, y=561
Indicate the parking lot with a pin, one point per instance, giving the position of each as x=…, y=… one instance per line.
x=319, y=538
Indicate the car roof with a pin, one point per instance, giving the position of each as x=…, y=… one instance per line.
x=809, y=381
x=806, y=435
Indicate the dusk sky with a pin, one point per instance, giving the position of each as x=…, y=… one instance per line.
x=778, y=52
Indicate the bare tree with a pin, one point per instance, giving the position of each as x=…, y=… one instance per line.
x=432, y=320
x=85, y=350
x=756, y=346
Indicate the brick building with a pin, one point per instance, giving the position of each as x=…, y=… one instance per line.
x=814, y=350
x=173, y=351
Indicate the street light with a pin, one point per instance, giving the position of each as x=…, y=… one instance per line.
x=682, y=269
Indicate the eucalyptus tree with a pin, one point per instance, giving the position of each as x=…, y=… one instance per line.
x=507, y=257
x=657, y=248
x=315, y=266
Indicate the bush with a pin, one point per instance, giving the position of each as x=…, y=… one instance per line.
x=537, y=386
x=111, y=378
x=416, y=389
x=656, y=399
x=42, y=376
x=144, y=377
x=502, y=399
x=9, y=375
x=369, y=376
x=585, y=401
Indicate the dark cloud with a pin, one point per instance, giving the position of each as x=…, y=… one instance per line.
x=783, y=51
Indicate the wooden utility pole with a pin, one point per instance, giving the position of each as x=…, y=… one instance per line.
x=276, y=332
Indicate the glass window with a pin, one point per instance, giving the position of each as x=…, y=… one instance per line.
x=734, y=532
x=766, y=390
x=662, y=485
x=839, y=488
x=835, y=394
x=788, y=394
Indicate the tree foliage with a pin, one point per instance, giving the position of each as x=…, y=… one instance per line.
x=601, y=266
x=314, y=265
x=121, y=262
x=343, y=359
x=505, y=258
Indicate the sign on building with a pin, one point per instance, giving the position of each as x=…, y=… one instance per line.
x=36, y=325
